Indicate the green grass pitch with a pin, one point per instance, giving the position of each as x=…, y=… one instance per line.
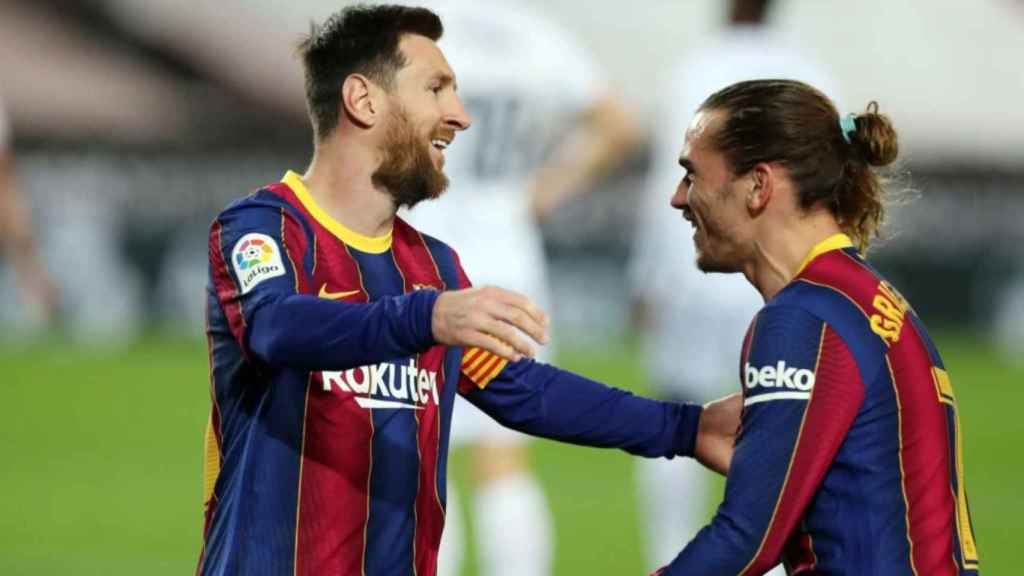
x=102, y=453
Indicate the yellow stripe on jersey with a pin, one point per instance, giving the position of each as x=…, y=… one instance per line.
x=211, y=462
x=368, y=244
x=481, y=366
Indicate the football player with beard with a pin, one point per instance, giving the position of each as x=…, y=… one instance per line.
x=339, y=335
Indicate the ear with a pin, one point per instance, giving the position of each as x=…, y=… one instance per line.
x=762, y=179
x=360, y=100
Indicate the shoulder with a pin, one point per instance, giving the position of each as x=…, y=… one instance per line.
x=409, y=234
x=843, y=291
x=264, y=206
x=784, y=328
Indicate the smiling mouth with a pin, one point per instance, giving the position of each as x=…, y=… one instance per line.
x=440, y=143
x=688, y=216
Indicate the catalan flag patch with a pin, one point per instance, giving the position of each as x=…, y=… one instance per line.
x=481, y=366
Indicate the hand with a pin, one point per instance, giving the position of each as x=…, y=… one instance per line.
x=716, y=433
x=491, y=318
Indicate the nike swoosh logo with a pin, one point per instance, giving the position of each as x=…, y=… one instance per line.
x=335, y=295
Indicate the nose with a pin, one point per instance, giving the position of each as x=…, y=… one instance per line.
x=680, y=200
x=456, y=117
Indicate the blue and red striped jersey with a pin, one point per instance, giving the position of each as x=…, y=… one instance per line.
x=327, y=443
x=849, y=456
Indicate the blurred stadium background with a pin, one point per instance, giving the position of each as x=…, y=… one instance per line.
x=134, y=121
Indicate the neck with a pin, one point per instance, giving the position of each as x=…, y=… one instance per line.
x=340, y=180
x=780, y=249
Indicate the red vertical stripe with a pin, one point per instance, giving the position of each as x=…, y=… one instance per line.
x=835, y=401
x=334, y=490
x=224, y=285
x=745, y=348
x=295, y=246
x=924, y=453
x=413, y=258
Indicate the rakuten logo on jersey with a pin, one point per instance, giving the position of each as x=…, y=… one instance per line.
x=786, y=383
x=388, y=385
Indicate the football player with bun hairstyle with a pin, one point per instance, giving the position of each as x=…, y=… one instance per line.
x=849, y=458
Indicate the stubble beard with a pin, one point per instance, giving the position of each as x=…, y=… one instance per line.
x=407, y=171
x=706, y=261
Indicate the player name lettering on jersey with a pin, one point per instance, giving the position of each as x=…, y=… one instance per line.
x=890, y=308
x=386, y=385
x=790, y=383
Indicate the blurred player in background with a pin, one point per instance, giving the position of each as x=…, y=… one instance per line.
x=672, y=296
x=545, y=127
x=17, y=240
x=849, y=459
x=339, y=335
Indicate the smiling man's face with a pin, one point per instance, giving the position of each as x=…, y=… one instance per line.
x=712, y=198
x=425, y=113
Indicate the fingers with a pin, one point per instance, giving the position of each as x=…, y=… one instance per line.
x=510, y=337
x=494, y=345
x=497, y=320
x=521, y=312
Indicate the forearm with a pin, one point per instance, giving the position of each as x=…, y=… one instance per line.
x=545, y=401
x=716, y=436
x=604, y=139
x=303, y=331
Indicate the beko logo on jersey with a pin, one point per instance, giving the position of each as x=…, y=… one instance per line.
x=387, y=385
x=786, y=382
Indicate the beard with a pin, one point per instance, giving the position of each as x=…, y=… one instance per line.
x=407, y=171
x=709, y=264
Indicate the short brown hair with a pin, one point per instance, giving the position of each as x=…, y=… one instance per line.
x=359, y=39
x=796, y=125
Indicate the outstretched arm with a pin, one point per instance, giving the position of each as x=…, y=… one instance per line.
x=545, y=401
x=604, y=138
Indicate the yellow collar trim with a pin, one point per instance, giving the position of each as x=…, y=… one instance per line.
x=834, y=242
x=370, y=244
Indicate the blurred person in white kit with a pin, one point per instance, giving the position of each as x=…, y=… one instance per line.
x=17, y=241
x=688, y=318
x=546, y=126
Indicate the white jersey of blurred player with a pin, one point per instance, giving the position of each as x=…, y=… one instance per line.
x=527, y=85
x=691, y=319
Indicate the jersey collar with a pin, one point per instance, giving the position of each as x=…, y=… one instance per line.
x=834, y=242
x=370, y=244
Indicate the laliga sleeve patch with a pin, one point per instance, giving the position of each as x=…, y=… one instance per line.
x=255, y=258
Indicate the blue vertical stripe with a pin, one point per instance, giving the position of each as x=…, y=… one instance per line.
x=394, y=479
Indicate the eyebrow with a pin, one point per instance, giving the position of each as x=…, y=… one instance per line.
x=445, y=79
x=685, y=163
